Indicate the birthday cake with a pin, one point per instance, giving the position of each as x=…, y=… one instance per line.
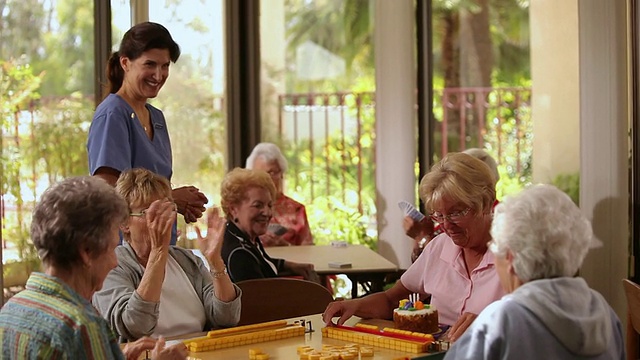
x=416, y=316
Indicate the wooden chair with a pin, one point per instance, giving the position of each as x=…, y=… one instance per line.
x=632, y=292
x=281, y=298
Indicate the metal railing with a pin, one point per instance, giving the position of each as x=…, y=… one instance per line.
x=497, y=119
x=329, y=139
x=318, y=129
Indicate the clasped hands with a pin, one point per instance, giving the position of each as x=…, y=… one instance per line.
x=190, y=202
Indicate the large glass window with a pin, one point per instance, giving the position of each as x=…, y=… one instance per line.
x=120, y=21
x=193, y=97
x=47, y=72
x=497, y=66
x=317, y=91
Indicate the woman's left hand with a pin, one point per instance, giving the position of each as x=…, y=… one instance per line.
x=211, y=245
x=457, y=329
x=303, y=269
x=270, y=239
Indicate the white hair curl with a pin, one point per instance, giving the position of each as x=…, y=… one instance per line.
x=269, y=152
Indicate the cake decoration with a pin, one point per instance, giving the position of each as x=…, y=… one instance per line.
x=414, y=315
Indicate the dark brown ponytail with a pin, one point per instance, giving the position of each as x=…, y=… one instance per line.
x=115, y=73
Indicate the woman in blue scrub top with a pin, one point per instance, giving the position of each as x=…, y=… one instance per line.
x=126, y=131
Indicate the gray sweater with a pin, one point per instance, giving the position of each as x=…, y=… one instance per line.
x=560, y=318
x=131, y=317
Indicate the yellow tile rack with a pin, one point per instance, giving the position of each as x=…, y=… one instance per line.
x=245, y=335
x=388, y=338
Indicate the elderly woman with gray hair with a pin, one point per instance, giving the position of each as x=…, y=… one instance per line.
x=75, y=231
x=540, y=239
x=289, y=224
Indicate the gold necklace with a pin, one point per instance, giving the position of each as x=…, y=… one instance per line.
x=133, y=116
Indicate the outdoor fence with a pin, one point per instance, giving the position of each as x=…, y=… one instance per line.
x=323, y=133
x=328, y=139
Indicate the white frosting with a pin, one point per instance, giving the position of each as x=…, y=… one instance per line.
x=424, y=311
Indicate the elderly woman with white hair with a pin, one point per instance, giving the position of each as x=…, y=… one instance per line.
x=289, y=224
x=540, y=239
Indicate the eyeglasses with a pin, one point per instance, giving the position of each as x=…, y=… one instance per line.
x=275, y=173
x=142, y=212
x=453, y=217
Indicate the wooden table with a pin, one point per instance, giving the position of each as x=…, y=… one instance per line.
x=287, y=348
x=366, y=264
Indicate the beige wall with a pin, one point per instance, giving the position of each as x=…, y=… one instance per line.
x=580, y=89
x=555, y=88
x=604, y=126
x=395, y=124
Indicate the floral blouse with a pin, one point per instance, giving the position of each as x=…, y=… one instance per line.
x=293, y=216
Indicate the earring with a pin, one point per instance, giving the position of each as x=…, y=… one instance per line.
x=236, y=220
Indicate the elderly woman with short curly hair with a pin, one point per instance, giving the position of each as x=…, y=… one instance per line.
x=247, y=200
x=540, y=239
x=75, y=231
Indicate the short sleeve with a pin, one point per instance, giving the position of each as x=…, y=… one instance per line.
x=413, y=278
x=108, y=143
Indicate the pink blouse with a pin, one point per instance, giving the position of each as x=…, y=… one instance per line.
x=440, y=271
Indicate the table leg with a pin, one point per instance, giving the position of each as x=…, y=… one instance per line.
x=371, y=282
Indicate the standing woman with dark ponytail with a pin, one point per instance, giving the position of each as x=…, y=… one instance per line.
x=126, y=131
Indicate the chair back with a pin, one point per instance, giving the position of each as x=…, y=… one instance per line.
x=280, y=298
x=632, y=292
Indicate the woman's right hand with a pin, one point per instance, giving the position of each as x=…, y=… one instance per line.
x=160, y=217
x=174, y=352
x=134, y=350
x=344, y=309
x=418, y=229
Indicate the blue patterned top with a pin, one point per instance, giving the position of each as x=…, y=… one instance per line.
x=49, y=320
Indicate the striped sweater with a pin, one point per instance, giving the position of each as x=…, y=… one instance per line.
x=49, y=320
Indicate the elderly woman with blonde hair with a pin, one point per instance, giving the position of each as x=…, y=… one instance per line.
x=158, y=289
x=247, y=200
x=289, y=224
x=455, y=268
x=540, y=239
x=424, y=230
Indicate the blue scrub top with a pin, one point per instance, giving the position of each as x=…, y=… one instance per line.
x=117, y=140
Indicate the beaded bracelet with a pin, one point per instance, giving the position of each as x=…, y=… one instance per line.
x=218, y=274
